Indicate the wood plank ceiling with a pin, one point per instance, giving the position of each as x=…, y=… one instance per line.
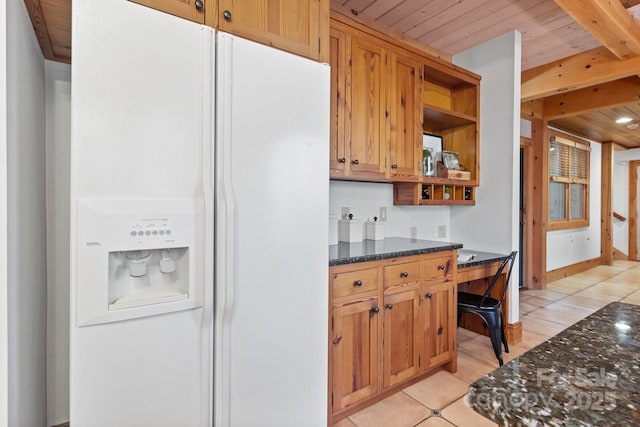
x=582, y=57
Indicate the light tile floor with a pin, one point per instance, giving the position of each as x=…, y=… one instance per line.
x=440, y=400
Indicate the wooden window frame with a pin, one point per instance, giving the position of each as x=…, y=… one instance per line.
x=569, y=223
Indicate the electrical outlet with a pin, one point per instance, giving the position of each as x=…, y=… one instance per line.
x=442, y=231
x=345, y=213
x=383, y=214
x=414, y=232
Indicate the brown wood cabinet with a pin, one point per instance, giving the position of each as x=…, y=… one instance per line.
x=193, y=10
x=384, y=96
x=367, y=136
x=296, y=26
x=405, y=127
x=299, y=26
x=391, y=322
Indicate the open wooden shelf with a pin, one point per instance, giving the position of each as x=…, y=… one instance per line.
x=445, y=119
x=437, y=191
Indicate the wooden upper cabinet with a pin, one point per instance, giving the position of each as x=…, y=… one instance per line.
x=367, y=109
x=297, y=26
x=339, y=42
x=193, y=10
x=405, y=130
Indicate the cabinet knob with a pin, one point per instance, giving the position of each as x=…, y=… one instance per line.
x=440, y=330
x=429, y=295
x=342, y=160
x=226, y=15
x=337, y=340
x=394, y=166
x=357, y=283
x=355, y=162
x=441, y=267
x=404, y=274
x=375, y=310
x=389, y=306
x=199, y=5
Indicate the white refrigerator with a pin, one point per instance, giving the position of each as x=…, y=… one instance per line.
x=199, y=188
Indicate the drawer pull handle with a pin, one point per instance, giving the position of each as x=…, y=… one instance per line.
x=357, y=283
x=441, y=267
x=429, y=295
x=440, y=330
x=375, y=310
x=337, y=340
x=389, y=306
x=404, y=274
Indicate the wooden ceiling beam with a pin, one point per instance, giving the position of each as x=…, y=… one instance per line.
x=607, y=21
x=600, y=97
x=586, y=69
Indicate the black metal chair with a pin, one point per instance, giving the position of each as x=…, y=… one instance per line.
x=489, y=308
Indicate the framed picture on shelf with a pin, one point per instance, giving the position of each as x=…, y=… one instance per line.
x=431, y=149
x=451, y=160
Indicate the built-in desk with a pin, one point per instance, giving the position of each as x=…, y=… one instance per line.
x=474, y=277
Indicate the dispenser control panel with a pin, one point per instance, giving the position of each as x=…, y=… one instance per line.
x=151, y=230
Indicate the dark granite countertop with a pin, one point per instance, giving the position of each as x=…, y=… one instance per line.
x=588, y=375
x=391, y=247
x=479, y=258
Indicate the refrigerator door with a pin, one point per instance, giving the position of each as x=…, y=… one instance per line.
x=272, y=189
x=141, y=217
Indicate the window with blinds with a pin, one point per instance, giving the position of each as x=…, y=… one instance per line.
x=568, y=182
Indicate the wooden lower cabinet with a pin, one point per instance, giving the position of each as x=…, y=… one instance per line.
x=354, y=352
x=392, y=322
x=401, y=358
x=440, y=316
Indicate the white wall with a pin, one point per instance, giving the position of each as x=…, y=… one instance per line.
x=58, y=129
x=568, y=247
x=492, y=225
x=365, y=200
x=4, y=339
x=26, y=221
x=621, y=196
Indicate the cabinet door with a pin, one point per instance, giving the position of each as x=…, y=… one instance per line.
x=188, y=9
x=405, y=126
x=367, y=104
x=339, y=41
x=296, y=26
x=355, y=352
x=401, y=358
x=439, y=313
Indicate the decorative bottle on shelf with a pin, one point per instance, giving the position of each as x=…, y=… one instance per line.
x=427, y=162
x=425, y=192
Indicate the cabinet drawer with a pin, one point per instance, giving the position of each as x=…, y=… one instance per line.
x=395, y=275
x=437, y=268
x=354, y=282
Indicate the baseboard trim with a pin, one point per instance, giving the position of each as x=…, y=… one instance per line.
x=514, y=332
x=62, y=425
x=618, y=254
x=567, y=271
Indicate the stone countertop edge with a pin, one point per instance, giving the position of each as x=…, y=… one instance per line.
x=392, y=247
x=586, y=375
